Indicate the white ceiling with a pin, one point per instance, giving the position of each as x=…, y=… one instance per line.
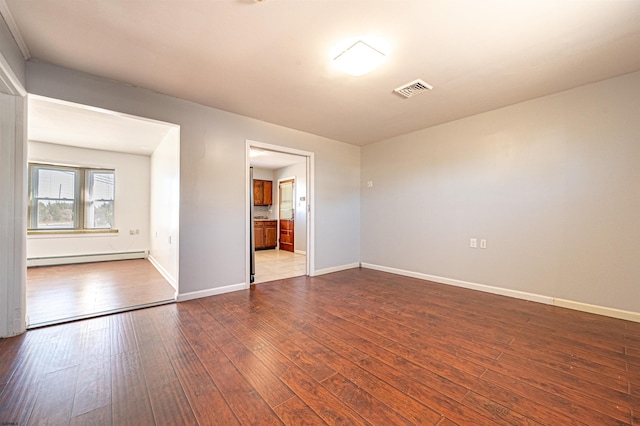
x=66, y=123
x=271, y=60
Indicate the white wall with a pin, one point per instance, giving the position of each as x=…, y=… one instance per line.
x=131, y=203
x=212, y=177
x=553, y=184
x=299, y=172
x=165, y=203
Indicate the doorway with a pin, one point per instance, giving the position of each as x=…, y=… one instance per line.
x=290, y=173
x=286, y=219
x=107, y=261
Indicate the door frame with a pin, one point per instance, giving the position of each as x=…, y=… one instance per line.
x=310, y=168
x=13, y=221
x=293, y=178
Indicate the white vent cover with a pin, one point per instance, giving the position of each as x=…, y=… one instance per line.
x=413, y=88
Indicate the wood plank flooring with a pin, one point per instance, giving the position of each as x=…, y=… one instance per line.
x=67, y=292
x=355, y=347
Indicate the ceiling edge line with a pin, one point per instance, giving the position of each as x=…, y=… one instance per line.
x=14, y=30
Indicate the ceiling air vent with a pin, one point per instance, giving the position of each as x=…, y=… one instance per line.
x=413, y=88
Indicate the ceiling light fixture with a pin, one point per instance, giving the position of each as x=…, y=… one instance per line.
x=359, y=59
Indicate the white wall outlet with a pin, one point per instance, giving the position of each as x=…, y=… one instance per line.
x=483, y=244
x=369, y=184
x=473, y=243
x=132, y=231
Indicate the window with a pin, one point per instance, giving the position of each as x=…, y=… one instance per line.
x=70, y=198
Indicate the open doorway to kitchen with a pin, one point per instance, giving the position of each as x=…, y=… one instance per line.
x=102, y=211
x=279, y=223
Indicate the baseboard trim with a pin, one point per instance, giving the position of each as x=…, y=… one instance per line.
x=335, y=269
x=170, y=279
x=84, y=258
x=584, y=307
x=596, y=309
x=210, y=292
x=302, y=252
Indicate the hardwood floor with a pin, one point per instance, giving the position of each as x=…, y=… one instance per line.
x=67, y=292
x=354, y=347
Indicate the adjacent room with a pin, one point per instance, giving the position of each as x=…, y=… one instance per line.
x=102, y=191
x=278, y=215
x=361, y=212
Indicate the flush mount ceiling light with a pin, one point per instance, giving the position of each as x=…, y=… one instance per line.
x=359, y=59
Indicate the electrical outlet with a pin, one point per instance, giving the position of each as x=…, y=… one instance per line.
x=473, y=243
x=132, y=231
x=483, y=244
x=369, y=184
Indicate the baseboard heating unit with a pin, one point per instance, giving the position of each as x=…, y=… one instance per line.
x=85, y=258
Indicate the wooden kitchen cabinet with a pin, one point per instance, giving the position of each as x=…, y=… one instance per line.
x=265, y=234
x=262, y=192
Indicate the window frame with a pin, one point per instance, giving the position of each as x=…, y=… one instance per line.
x=81, y=200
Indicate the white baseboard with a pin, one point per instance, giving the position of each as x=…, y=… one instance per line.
x=210, y=292
x=335, y=269
x=600, y=310
x=170, y=279
x=594, y=309
x=84, y=258
x=302, y=252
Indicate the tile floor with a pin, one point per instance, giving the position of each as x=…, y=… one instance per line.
x=278, y=264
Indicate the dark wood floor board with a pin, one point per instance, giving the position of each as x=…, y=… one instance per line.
x=539, y=412
x=458, y=370
x=370, y=408
x=554, y=401
x=54, y=402
x=566, y=386
x=272, y=390
x=19, y=394
x=242, y=398
x=170, y=405
x=206, y=400
x=446, y=335
x=445, y=385
x=290, y=349
x=585, y=369
x=99, y=416
x=607, y=342
x=326, y=405
x=499, y=414
x=284, y=362
x=10, y=358
x=129, y=396
x=123, y=334
x=355, y=347
x=93, y=386
x=573, y=381
x=292, y=411
x=427, y=395
x=389, y=395
x=380, y=390
x=447, y=422
x=357, y=336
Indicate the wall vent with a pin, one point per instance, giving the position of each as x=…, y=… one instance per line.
x=413, y=88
